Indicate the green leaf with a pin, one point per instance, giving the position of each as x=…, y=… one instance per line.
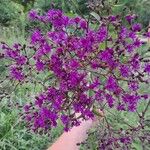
x=137, y=146
x=95, y=15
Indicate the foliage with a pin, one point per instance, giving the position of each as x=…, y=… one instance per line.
x=138, y=7
x=9, y=11
x=118, y=122
x=14, y=135
x=27, y=4
x=78, y=6
x=142, y=10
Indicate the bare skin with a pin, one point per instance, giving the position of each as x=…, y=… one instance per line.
x=69, y=140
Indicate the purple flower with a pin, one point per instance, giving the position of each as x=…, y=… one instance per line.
x=39, y=65
x=27, y=108
x=99, y=95
x=130, y=48
x=46, y=48
x=49, y=116
x=59, y=50
x=132, y=35
x=21, y=60
x=56, y=66
x=65, y=119
x=58, y=37
x=17, y=46
x=112, y=63
x=39, y=122
x=83, y=24
x=16, y=73
x=123, y=33
x=95, y=84
x=57, y=18
x=65, y=20
x=77, y=20
x=95, y=64
x=147, y=68
x=121, y=107
x=39, y=100
x=125, y=70
x=145, y=96
x=111, y=84
x=74, y=79
x=110, y=100
x=135, y=62
x=88, y=113
x=131, y=101
x=132, y=107
x=102, y=34
x=125, y=140
x=11, y=53
x=112, y=18
x=28, y=118
x=137, y=43
x=147, y=34
x=36, y=37
x=33, y=14
x=133, y=85
x=85, y=43
x=74, y=64
x=136, y=27
x=106, y=55
x=54, y=14
x=129, y=18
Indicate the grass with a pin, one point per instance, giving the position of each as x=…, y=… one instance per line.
x=14, y=135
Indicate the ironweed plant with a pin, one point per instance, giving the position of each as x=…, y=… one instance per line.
x=86, y=69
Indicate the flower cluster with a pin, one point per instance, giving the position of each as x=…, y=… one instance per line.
x=90, y=67
x=106, y=144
